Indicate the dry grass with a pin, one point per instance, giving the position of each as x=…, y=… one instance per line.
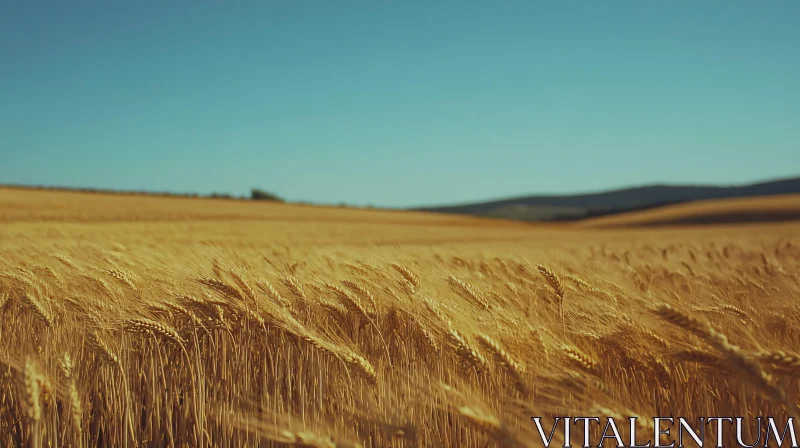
x=341, y=328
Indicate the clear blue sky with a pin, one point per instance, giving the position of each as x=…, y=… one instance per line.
x=397, y=103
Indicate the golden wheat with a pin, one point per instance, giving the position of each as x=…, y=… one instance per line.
x=111, y=338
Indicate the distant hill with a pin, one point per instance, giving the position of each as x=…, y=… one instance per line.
x=752, y=209
x=575, y=207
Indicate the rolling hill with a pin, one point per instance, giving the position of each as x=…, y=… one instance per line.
x=580, y=206
x=716, y=211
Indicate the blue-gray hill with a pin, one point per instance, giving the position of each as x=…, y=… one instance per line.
x=578, y=206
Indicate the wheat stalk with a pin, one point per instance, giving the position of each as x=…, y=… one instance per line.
x=75, y=410
x=362, y=291
x=99, y=346
x=733, y=355
x=350, y=302
x=38, y=309
x=122, y=277
x=243, y=285
x=294, y=287
x=780, y=361
x=408, y=276
x=222, y=287
x=557, y=286
x=467, y=291
x=580, y=359
x=467, y=354
x=33, y=404
x=513, y=368
x=148, y=326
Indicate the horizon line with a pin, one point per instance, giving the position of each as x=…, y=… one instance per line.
x=232, y=196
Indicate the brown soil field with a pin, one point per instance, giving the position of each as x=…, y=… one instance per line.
x=758, y=209
x=144, y=321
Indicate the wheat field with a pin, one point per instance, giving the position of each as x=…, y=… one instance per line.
x=136, y=321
